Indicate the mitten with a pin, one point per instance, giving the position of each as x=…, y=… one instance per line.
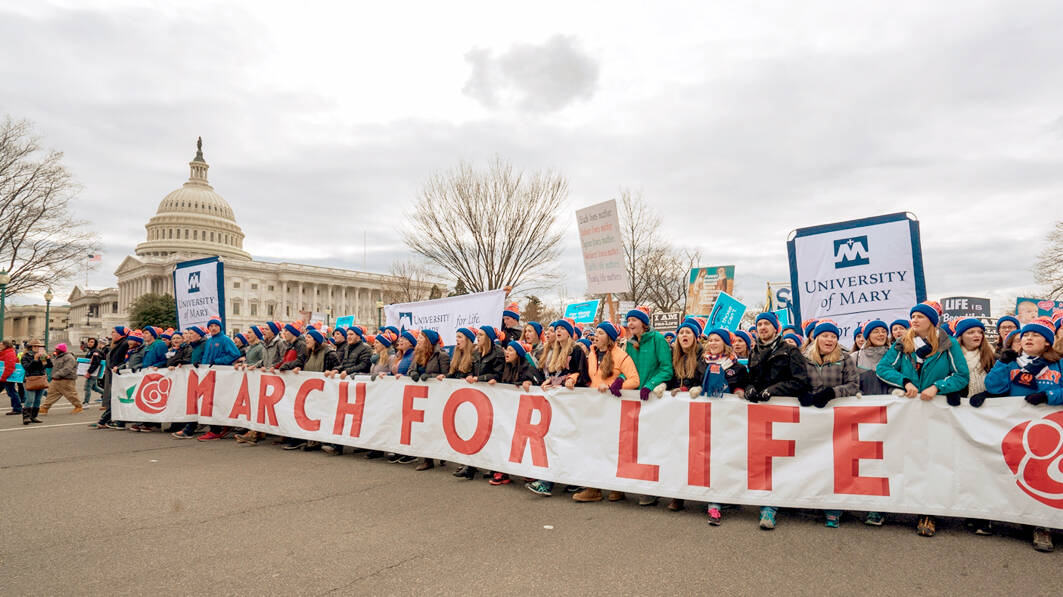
x=953, y=399
x=752, y=394
x=977, y=400
x=1008, y=356
x=659, y=390
x=806, y=399
x=1035, y=366
x=615, y=387
x=822, y=397
x=695, y=391
x=1037, y=398
x=765, y=396
x=644, y=394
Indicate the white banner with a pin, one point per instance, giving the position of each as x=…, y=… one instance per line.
x=854, y=271
x=1000, y=462
x=603, y=251
x=199, y=291
x=446, y=315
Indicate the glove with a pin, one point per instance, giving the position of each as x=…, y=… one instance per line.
x=1035, y=366
x=644, y=394
x=954, y=399
x=752, y=394
x=765, y=396
x=977, y=400
x=822, y=397
x=695, y=391
x=1037, y=398
x=659, y=390
x=806, y=399
x=617, y=384
x=1008, y=356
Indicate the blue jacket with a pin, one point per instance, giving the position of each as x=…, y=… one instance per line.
x=946, y=368
x=1049, y=380
x=405, y=361
x=220, y=350
x=197, y=351
x=155, y=356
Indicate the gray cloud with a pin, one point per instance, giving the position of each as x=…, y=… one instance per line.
x=537, y=78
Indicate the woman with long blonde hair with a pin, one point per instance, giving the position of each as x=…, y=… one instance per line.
x=563, y=363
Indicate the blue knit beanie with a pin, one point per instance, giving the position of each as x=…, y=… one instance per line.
x=770, y=317
x=724, y=335
x=470, y=334
x=925, y=309
x=968, y=323
x=826, y=326
x=609, y=329
x=872, y=325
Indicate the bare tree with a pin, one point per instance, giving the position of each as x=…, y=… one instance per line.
x=409, y=282
x=1049, y=268
x=491, y=228
x=638, y=227
x=664, y=272
x=41, y=243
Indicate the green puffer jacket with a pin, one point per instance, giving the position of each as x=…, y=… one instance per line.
x=653, y=359
x=945, y=368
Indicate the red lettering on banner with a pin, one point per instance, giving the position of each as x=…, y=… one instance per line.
x=699, y=444
x=524, y=433
x=270, y=392
x=627, y=462
x=345, y=408
x=411, y=415
x=485, y=417
x=761, y=447
x=301, y=419
x=242, y=405
x=200, y=389
x=849, y=450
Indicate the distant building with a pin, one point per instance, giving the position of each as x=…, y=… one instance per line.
x=193, y=222
x=26, y=322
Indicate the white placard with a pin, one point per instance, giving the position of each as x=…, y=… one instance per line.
x=603, y=250
x=446, y=315
x=199, y=292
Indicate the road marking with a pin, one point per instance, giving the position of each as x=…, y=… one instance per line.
x=28, y=427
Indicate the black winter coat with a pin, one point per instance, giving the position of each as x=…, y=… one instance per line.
x=181, y=356
x=486, y=368
x=778, y=369
x=300, y=353
x=438, y=364
x=357, y=359
x=520, y=372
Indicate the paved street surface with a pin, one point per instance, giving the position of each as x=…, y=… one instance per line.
x=90, y=512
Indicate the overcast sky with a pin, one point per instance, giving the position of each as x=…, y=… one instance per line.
x=737, y=123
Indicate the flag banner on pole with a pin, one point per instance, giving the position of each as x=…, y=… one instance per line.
x=851, y=272
x=199, y=291
x=875, y=453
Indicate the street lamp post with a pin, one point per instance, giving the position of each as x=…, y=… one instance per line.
x=4, y=279
x=48, y=296
x=379, y=314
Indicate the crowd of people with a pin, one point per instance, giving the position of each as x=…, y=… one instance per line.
x=913, y=358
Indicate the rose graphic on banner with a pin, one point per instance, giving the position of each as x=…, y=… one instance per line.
x=153, y=393
x=1034, y=452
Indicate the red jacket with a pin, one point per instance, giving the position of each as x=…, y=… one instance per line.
x=8, y=357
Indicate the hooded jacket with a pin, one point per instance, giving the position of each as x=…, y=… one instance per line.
x=220, y=350
x=652, y=358
x=357, y=359
x=64, y=366
x=623, y=365
x=945, y=368
x=778, y=369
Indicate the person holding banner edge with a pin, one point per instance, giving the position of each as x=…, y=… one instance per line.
x=925, y=362
x=775, y=369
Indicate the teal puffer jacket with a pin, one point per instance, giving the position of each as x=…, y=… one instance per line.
x=945, y=368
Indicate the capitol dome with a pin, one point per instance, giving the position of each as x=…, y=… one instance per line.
x=194, y=221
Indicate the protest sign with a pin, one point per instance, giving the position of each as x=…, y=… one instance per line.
x=726, y=313
x=666, y=322
x=584, y=312
x=1027, y=309
x=852, y=271
x=959, y=307
x=603, y=251
x=877, y=453
x=705, y=284
x=199, y=292
x=446, y=315
x=345, y=322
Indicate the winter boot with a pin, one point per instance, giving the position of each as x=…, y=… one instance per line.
x=26, y=415
x=33, y=415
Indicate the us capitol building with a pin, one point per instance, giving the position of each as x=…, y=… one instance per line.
x=194, y=222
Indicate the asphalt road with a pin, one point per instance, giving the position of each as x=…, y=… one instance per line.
x=119, y=513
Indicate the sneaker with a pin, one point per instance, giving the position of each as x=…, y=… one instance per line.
x=225, y=432
x=113, y=425
x=573, y=489
x=148, y=428
x=373, y=455
x=394, y=457
x=833, y=521
x=208, y=436
x=983, y=527
x=1042, y=540
x=331, y=450
x=297, y=445
x=767, y=518
x=647, y=500
x=406, y=459
x=312, y=446
x=543, y=488
x=182, y=435
x=98, y=426
x=466, y=472
x=500, y=479
x=874, y=519
x=715, y=517
x=135, y=427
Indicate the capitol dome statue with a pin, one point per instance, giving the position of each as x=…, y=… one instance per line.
x=194, y=221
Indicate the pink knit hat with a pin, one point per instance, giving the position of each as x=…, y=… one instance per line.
x=61, y=347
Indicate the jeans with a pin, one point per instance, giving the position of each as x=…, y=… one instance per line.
x=770, y=510
x=12, y=393
x=90, y=387
x=33, y=399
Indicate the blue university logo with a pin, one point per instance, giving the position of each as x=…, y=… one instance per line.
x=850, y=252
x=193, y=282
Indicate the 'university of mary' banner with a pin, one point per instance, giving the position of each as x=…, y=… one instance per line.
x=1001, y=461
x=854, y=271
x=446, y=315
x=199, y=291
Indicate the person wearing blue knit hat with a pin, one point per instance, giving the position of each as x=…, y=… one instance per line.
x=743, y=344
x=898, y=328
x=793, y=340
x=858, y=338
x=1005, y=325
x=670, y=337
